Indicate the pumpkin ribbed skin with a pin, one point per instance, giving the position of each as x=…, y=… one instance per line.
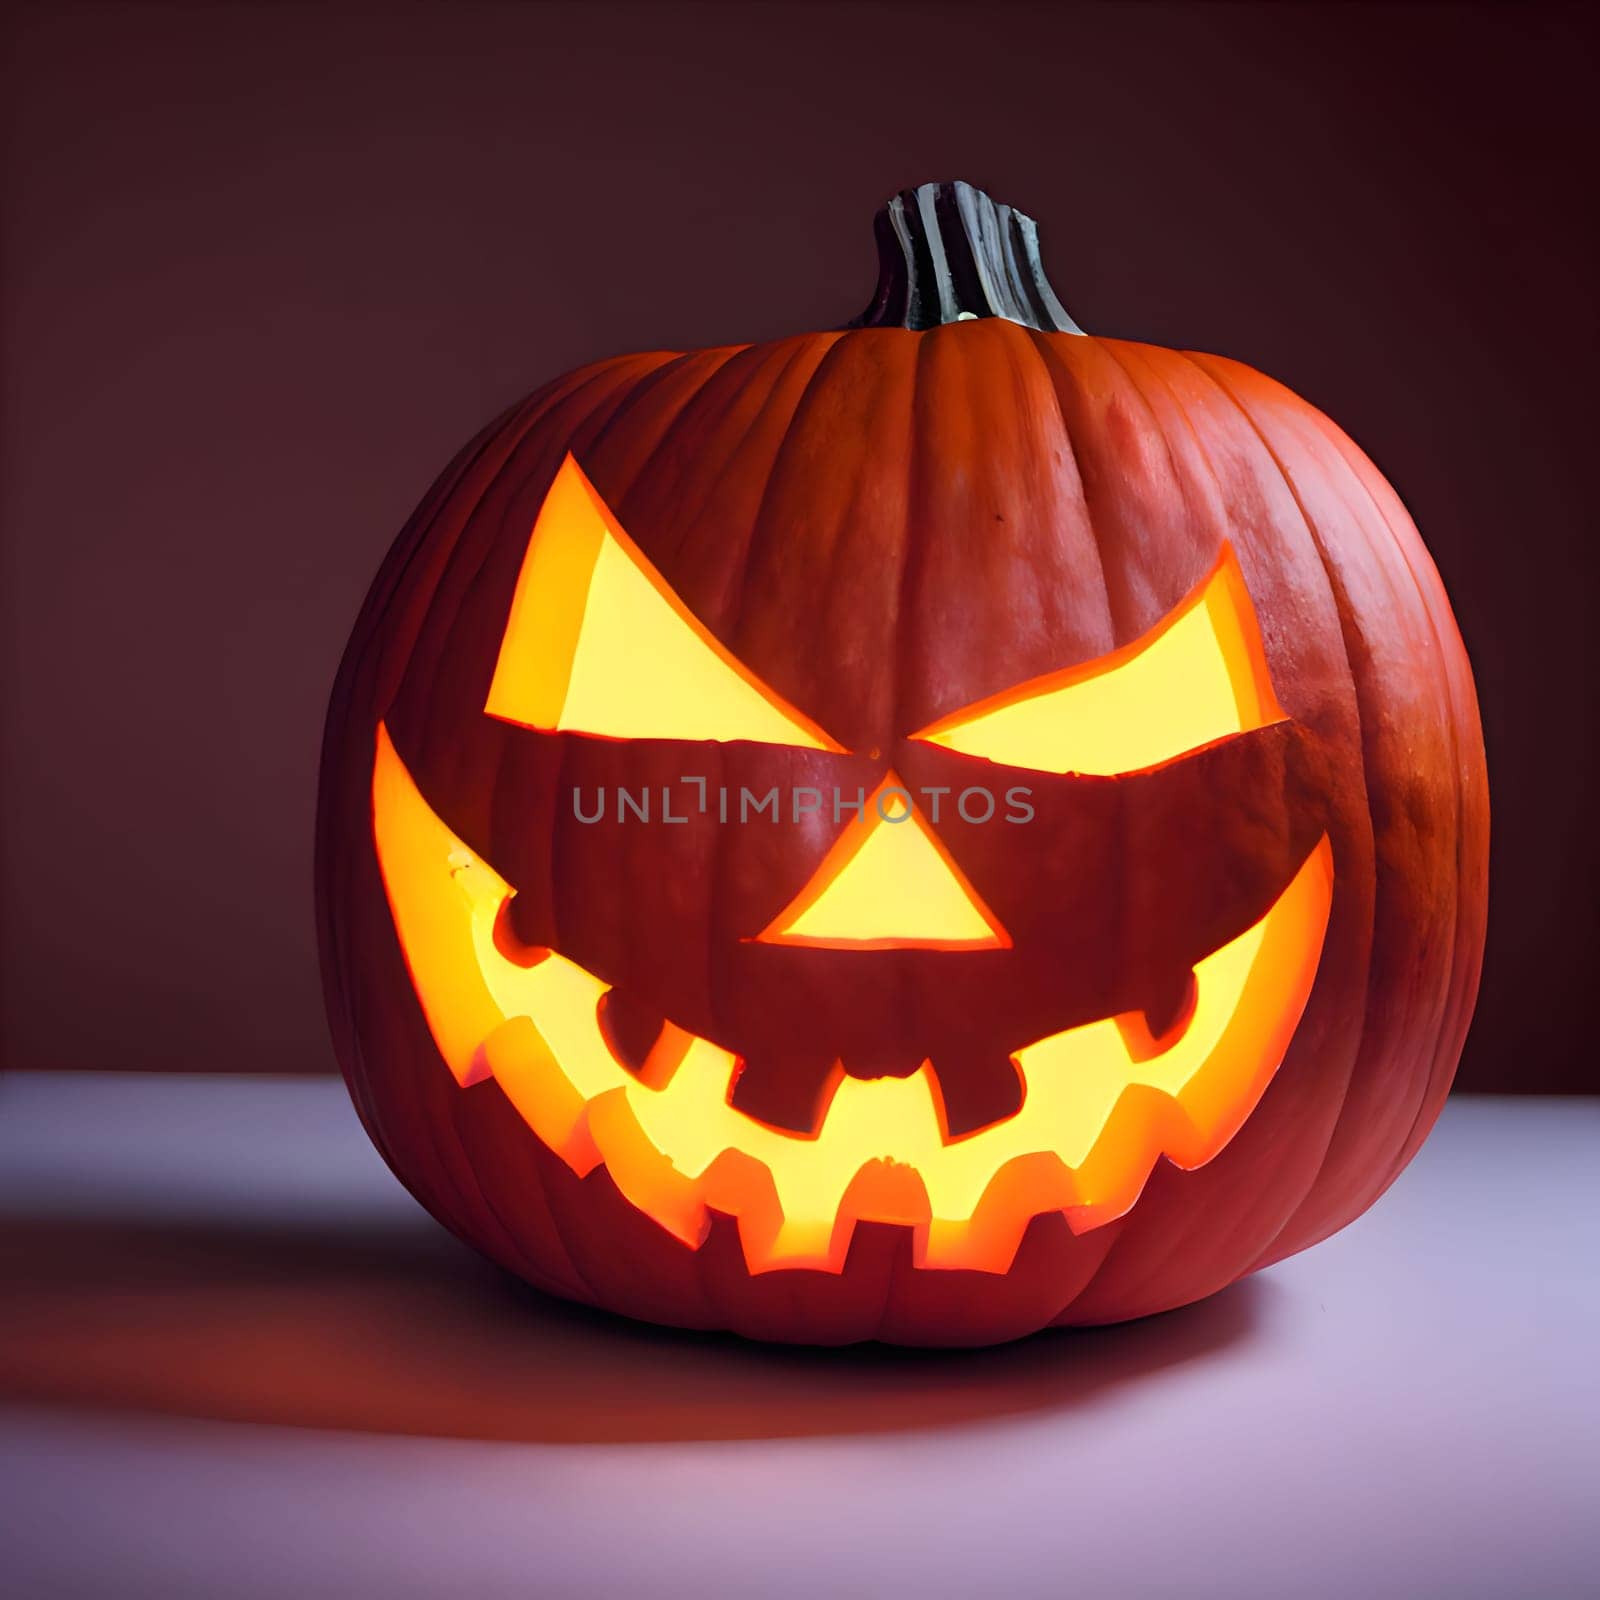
x=886, y=525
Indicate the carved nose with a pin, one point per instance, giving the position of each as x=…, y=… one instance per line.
x=887, y=883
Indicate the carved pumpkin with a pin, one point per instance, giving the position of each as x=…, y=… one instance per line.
x=919, y=832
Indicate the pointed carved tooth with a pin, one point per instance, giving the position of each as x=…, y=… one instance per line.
x=988, y=1240
x=1163, y=1021
x=510, y=943
x=519, y=1058
x=976, y=1088
x=667, y=1054
x=787, y=1088
x=630, y=1029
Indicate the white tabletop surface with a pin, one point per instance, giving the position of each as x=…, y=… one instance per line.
x=237, y=1360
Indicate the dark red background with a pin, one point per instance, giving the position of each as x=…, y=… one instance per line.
x=266, y=268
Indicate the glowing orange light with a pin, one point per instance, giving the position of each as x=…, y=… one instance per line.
x=1093, y=1120
x=598, y=643
x=1199, y=675
x=888, y=884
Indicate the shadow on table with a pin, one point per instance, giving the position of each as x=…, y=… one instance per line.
x=398, y=1329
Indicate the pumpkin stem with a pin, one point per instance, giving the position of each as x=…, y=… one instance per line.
x=948, y=253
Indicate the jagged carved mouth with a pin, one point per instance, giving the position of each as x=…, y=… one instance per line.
x=1097, y=1112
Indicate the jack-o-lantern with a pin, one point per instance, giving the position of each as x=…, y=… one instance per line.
x=918, y=832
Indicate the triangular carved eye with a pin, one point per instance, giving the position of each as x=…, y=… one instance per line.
x=1198, y=676
x=598, y=643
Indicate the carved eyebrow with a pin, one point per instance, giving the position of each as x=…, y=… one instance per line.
x=1199, y=675
x=598, y=642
